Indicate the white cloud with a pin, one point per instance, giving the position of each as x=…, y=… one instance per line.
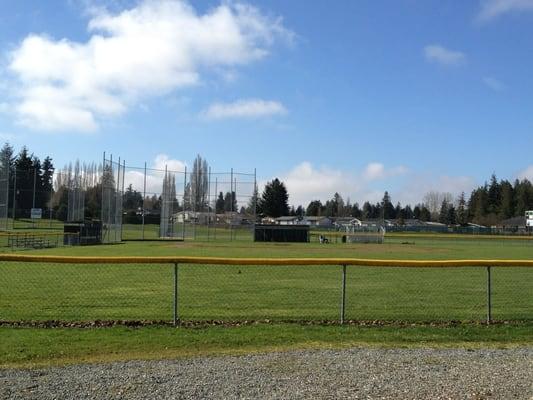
x=527, y=173
x=418, y=185
x=248, y=108
x=154, y=174
x=305, y=182
x=149, y=50
x=376, y=171
x=441, y=55
x=491, y=9
x=162, y=160
x=494, y=84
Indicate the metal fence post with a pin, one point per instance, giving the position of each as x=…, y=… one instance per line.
x=175, y=305
x=343, y=294
x=489, y=296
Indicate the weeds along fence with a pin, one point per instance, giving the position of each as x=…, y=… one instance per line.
x=177, y=289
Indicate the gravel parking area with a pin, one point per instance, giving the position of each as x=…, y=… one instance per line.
x=322, y=374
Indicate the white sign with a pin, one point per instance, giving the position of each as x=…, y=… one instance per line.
x=36, y=213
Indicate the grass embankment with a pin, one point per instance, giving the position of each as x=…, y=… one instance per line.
x=32, y=347
x=81, y=292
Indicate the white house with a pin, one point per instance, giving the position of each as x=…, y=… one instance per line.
x=317, y=221
x=287, y=220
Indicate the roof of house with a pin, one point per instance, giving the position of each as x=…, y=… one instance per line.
x=286, y=218
x=345, y=219
x=312, y=218
x=515, y=221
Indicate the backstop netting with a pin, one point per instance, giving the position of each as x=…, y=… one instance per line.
x=175, y=201
x=76, y=196
x=4, y=193
x=112, y=189
x=365, y=234
x=168, y=204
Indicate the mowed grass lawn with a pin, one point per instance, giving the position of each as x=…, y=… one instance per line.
x=88, y=292
x=33, y=291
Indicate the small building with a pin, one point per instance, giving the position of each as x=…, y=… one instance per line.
x=343, y=222
x=317, y=221
x=230, y=218
x=287, y=220
x=195, y=217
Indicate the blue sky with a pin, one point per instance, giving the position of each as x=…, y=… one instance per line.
x=355, y=97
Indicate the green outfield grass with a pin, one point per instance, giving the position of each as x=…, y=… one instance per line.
x=88, y=292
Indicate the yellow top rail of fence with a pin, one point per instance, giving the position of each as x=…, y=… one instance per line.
x=264, y=261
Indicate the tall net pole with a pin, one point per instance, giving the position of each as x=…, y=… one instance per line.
x=4, y=193
x=121, y=199
x=115, y=219
x=231, y=206
x=144, y=199
x=208, y=202
x=184, y=203
x=255, y=195
x=215, y=207
x=102, y=219
x=14, y=198
x=33, y=195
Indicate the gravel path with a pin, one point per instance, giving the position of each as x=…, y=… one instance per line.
x=323, y=374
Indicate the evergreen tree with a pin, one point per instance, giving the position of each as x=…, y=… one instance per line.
x=425, y=214
x=219, y=205
x=334, y=206
x=367, y=210
x=314, y=209
x=451, y=218
x=478, y=205
x=274, y=200
x=462, y=213
x=493, y=196
x=507, y=200
x=398, y=211
x=443, y=214
x=356, y=211
x=48, y=180
x=524, y=197
x=416, y=212
x=132, y=199
x=253, y=202
x=25, y=177
x=387, y=207
x=230, y=202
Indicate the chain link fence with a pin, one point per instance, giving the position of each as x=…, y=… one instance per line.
x=184, y=204
x=38, y=291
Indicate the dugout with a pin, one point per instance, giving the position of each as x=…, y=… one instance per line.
x=82, y=234
x=281, y=233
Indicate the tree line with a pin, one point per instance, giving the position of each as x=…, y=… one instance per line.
x=29, y=176
x=487, y=205
x=35, y=186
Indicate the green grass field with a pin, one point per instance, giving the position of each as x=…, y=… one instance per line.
x=277, y=293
